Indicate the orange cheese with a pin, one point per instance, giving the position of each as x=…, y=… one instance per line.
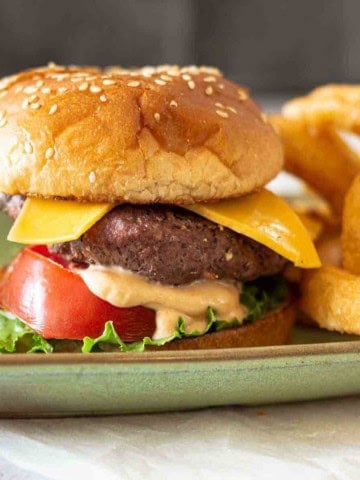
x=262, y=216
x=55, y=221
x=268, y=219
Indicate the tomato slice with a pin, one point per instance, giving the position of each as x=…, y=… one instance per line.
x=56, y=302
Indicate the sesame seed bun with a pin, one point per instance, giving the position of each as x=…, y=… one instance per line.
x=165, y=134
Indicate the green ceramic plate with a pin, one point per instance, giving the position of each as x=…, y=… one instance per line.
x=317, y=365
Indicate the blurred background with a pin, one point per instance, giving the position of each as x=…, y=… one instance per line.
x=277, y=46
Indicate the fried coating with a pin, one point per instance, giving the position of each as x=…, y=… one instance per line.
x=330, y=297
x=320, y=157
x=336, y=106
x=350, y=238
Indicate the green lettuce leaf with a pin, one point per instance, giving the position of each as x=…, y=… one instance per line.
x=16, y=336
x=262, y=296
x=109, y=336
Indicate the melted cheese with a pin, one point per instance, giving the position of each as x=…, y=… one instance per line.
x=268, y=219
x=126, y=289
x=262, y=216
x=54, y=221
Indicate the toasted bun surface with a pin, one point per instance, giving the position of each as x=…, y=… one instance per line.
x=274, y=329
x=165, y=134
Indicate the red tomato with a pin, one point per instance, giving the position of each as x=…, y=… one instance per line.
x=56, y=302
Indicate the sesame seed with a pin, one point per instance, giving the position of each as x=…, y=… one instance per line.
x=95, y=89
x=92, y=177
x=90, y=78
x=161, y=68
x=33, y=98
x=243, y=95
x=221, y=86
x=62, y=89
x=3, y=122
x=210, y=70
x=157, y=116
x=210, y=79
x=28, y=147
x=35, y=105
x=39, y=83
x=173, y=73
x=45, y=90
x=192, y=69
x=60, y=76
x=83, y=86
x=223, y=114
x=191, y=84
x=231, y=109
x=160, y=82
x=147, y=71
x=173, y=103
x=186, y=77
x=75, y=79
x=2, y=114
x=25, y=103
x=80, y=74
x=220, y=105
x=53, y=109
x=228, y=255
x=103, y=98
x=30, y=89
x=108, y=81
x=166, y=78
x=209, y=90
x=19, y=88
x=133, y=83
x=49, y=153
x=3, y=93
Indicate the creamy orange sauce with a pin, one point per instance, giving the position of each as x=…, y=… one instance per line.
x=191, y=301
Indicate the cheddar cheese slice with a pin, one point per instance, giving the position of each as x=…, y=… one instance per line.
x=54, y=221
x=262, y=216
x=268, y=219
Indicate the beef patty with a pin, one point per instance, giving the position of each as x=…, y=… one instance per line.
x=165, y=244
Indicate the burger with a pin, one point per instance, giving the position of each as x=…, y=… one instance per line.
x=138, y=196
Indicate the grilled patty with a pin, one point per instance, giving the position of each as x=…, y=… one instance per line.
x=165, y=244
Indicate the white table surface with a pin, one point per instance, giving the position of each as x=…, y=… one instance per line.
x=313, y=440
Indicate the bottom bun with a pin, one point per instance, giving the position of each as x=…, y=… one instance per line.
x=274, y=329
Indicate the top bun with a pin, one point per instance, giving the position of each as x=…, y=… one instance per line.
x=165, y=134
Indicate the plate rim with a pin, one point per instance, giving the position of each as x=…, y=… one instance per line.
x=219, y=355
